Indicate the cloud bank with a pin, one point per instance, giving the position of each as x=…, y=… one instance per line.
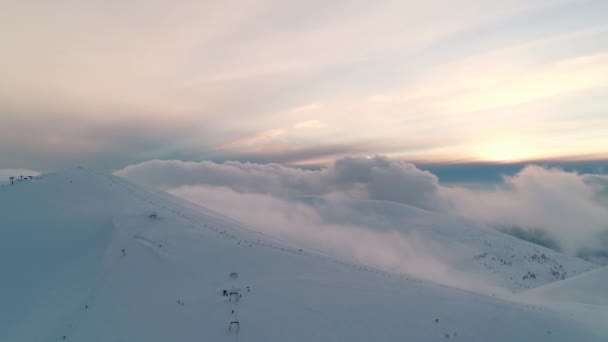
x=566, y=211
x=565, y=206
x=377, y=178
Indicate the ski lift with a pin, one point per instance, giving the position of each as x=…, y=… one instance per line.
x=236, y=324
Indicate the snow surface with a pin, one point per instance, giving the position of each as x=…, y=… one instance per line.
x=584, y=297
x=473, y=251
x=65, y=277
x=588, y=288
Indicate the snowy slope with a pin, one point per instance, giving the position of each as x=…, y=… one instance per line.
x=590, y=288
x=65, y=275
x=470, y=248
x=584, y=296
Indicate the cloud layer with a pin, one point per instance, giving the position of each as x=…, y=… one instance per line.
x=377, y=178
x=566, y=206
x=563, y=210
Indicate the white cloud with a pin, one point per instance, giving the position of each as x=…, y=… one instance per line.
x=571, y=209
x=377, y=178
x=310, y=124
x=253, y=140
x=563, y=204
x=318, y=227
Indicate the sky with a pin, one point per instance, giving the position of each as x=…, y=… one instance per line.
x=106, y=84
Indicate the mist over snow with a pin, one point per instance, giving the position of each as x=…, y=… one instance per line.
x=334, y=227
x=565, y=208
x=562, y=210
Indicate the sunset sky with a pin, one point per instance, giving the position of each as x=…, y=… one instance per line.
x=110, y=83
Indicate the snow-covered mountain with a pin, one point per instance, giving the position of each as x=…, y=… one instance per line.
x=467, y=247
x=91, y=257
x=589, y=288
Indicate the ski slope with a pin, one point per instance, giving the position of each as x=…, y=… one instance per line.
x=91, y=257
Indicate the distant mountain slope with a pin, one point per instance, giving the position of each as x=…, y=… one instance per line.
x=90, y=257
x=584, y=296
x=589, y=288
x=482, y=252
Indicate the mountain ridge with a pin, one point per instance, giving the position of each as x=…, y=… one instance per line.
x=97, y=258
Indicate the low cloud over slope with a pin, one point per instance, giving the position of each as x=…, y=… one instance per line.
x=563, y=210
